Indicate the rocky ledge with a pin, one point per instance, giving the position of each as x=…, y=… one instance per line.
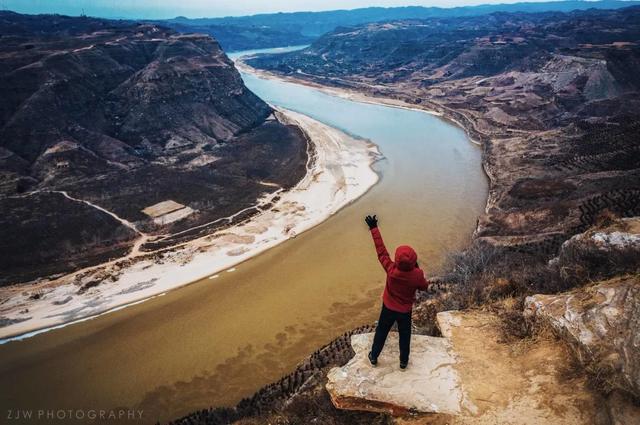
x=466, y=377
x=602, y=324
x=601, y=252
x=429, y=384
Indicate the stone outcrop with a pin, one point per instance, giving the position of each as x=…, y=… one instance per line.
x=429, y=384
x=602, y=323
x=601, y=252
x=467, y=377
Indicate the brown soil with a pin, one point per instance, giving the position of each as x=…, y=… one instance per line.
x=516, y=383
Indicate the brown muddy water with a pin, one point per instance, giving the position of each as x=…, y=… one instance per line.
x=218, y=340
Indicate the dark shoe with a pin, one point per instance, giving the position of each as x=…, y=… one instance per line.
x=372, y=360
x=403, y=365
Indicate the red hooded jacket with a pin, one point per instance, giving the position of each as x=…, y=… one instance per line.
x=404, y=277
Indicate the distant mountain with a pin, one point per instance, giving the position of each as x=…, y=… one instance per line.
x=124, y=116
x=422, y=53
x=288, y=29
x=244, y=37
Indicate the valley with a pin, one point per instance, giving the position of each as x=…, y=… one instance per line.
x=539, y=92
x=308, y=307
x=137, y=157
x=124, y=116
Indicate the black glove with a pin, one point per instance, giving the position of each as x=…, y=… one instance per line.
x=372, y=222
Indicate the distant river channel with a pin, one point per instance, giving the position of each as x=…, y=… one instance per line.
x=216, y=341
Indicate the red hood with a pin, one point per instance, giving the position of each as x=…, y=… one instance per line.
x=406, y=258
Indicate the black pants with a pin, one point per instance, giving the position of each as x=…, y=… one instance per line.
x=386, y=321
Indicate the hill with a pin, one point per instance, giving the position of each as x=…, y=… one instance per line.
x=100, y=120
x=552, y=97
x=297, y=28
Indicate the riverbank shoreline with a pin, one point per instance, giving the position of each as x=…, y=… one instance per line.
x=363, y=97
x=339, y=171
x=339, y=346
x=473, y=134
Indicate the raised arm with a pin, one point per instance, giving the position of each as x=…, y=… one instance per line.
x=423, y=284
x=381, y=250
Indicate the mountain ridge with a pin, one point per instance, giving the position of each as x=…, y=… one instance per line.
x=124, y=116
x=298, y=28
x=542, y=92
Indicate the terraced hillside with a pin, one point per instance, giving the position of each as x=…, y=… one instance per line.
x=553, y=97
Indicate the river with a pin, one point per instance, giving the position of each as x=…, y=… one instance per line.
x=216, y=341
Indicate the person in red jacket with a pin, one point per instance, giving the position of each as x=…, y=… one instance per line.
x=404, y=278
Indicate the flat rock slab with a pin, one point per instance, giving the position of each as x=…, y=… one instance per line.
x=162, y=208
x=469, y=377
x=429, y=384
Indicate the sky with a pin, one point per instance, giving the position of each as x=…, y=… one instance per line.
x=157, y=9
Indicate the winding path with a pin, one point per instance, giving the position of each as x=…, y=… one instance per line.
x=123, y=221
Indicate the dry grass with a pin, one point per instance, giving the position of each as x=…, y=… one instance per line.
x=601, y=375
x=484, y=273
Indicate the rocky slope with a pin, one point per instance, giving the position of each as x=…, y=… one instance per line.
x=601, y=322
x=553, y=98
x=111, y=129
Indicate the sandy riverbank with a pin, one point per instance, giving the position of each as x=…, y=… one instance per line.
x=338, y=172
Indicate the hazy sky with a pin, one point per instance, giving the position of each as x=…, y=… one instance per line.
x=210, y=8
